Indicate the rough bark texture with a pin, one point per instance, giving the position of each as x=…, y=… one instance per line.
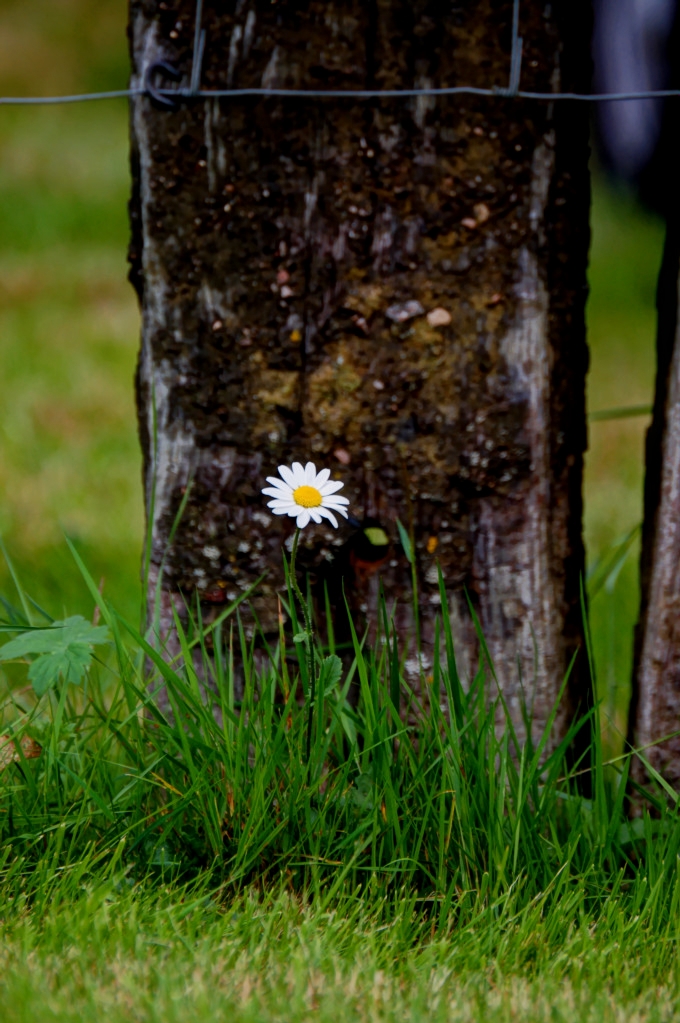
x=655, y=703
x=276, y=245
x=655, y=698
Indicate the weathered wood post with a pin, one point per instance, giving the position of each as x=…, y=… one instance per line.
x=394, y=288
x=654, y=719
x=655, y=703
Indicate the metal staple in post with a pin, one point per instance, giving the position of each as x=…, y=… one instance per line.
x=197, y=55
x=515, y=56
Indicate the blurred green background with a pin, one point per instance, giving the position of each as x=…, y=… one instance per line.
x=69, y=457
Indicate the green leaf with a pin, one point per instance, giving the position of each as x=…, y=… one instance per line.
x=64, y=649
x=631, y=831
x=362, y=792
x=301, y=637
x=376, y=536
x=330, y=674
x=405, y=542
x=69, y=664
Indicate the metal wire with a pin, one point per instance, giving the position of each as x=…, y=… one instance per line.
x=194, y=92
x=16, y=101
x=458, y=90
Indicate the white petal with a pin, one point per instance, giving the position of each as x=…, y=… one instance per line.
x=316, y=514
x=338, y=508
x=335, y=502
x=284, y=506
x=303, y=519
x=287, y=475
x=282, y=499
x=310, y=474
x=277, y=511
x=276, y=482
x=329, y=515
x=331, y=487
x=282, y=495
x=298, y=474
x=321, y=478
x=288, y=509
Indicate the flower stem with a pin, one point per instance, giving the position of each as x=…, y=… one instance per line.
x=311, y=675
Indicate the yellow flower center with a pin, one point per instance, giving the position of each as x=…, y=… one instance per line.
x=307, y=497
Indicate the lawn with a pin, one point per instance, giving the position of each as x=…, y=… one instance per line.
x=270, y=864
x=171, y=956
x=466, y=898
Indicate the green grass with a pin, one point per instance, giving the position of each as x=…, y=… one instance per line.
x=287, y=779
x=171, y=955
x=360, y=862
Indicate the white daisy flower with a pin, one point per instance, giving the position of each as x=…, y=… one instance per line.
x=304, y=494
